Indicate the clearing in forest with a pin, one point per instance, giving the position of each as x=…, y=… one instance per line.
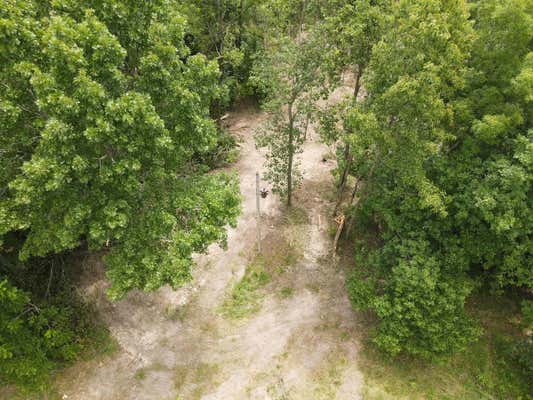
x=272, y=326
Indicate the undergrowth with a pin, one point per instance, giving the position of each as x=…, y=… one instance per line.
x=47, y=325
x=487, y=369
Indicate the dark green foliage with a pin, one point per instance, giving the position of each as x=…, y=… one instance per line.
x=23, y=348
x=224, y=152
x=230, y=32
x=46, y=324
x=487, y=368
x=444, y=145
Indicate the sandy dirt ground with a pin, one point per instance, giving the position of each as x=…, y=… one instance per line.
x=177, y=345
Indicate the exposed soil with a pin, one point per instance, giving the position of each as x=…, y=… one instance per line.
x=300, y=344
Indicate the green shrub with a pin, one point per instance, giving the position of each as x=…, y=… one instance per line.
x=361, y=289
x=224, y=151
x=44, y=323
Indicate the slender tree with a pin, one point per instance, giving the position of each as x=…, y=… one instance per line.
x=352, y=28
x=291, y=75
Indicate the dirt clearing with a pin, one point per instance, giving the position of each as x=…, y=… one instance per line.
x=298, y=341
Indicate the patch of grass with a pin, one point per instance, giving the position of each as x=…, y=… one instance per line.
x=281, y=251
x=140, y=374
x=295, y=216
x=345, y=336
x=286, y=292
x=278, y=390
x=329, y=378
x=200, y=377
x=178, y=313
x=100, y=342
x=485, y=370
x=245, y=297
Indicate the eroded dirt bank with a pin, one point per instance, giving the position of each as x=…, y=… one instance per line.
x=299, y=343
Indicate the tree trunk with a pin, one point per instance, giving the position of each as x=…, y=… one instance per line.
x=302, y=16
x=291, y=155
x=357, y=87
x=241, y=24
x=354, y=203
x=338, y=234
x=307, y=118
x=347, y=156
x=344, y=177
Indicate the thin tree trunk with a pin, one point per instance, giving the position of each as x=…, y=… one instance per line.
x=307, y=118
x=347, y=156
x=302, y=15
x=355, y=202
x=357, y=87
x=49, y=281
x=344, y=177
x=241, y=24
x=291, y=154
x=338, y=234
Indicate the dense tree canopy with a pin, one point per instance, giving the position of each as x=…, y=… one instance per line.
x=446, y=131
x=103, y=110
x=104, y=113
x=108, y=114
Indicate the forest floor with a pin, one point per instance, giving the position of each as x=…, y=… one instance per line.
x=273, y=326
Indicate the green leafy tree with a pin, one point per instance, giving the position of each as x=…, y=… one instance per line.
x=230, y=32
x=103, y=110
x=352, y=28
x=33, y=339
x=415, y=71
x=447, y=123
x=290, y=73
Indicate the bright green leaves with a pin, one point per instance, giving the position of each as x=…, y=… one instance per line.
x=185, y=217
x=290, y=74
x=504, y=31
x=433, y=36
x=413, y=72
x=102, y=123
x=353, y=28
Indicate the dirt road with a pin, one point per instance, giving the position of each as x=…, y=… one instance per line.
x=299, y=343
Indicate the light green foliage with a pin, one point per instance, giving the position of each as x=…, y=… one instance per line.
x=290, y=73
x=104, y=109
x=352, y=29
x=291, y=17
